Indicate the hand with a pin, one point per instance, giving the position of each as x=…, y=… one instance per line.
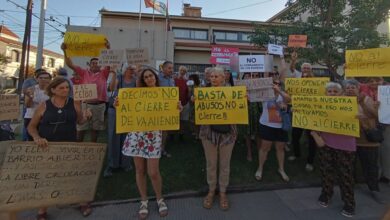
x=116, y=102
x=30, y=92
x=41, y=142
x=179, y=106
x=63, y=46
x=87, y=113
x=276, y=87
x=193, y=98
x=108, y=46
x=294, y=56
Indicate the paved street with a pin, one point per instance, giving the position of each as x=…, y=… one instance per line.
x=291, y=204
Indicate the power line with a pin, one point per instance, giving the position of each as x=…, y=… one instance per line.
x=51, y=14
x=233, y=9
x=51, y=42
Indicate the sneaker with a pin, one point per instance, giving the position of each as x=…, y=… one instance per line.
x=348, y=211
x=309, y=167
x=292, y=158
x=323, y=201
x=377, y=197
x=107, y=172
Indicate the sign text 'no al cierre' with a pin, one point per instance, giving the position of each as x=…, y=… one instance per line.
x=84, y=92
x=333, y=114
x=306, y=86
x=63, y=173
x=221, y=105
x=84, y=44
x=367, y=63
x=9, y=106
x=147, y=109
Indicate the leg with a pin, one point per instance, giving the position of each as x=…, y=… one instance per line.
x=312, y=148
x=155, y=176
x=327, y=168
x=369, y=159
x=263, y=153
x=296, y=137
x=280, y=154
x=211, y=153
x=97, y=120
x=225, y=154
x=140, y=176
x=344, y=162
x=248, y=142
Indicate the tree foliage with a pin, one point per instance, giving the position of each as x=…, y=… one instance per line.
x=332, y=26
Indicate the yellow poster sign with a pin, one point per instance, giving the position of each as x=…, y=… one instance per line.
x=306, y=86
x=147, y=109
x=366, y=63
x=221, y=105
x=333, y=114
x=84, y=44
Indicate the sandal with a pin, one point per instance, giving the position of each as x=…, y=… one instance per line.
x=283, y=175
x=208, y=200
x=42, y=216
x=86, y=210
x=143, y=210
x=223, y=202
x=259, y=175
x=162, y=208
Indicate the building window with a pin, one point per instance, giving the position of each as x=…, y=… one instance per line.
x=232, y=36
x=190, y=34
x=51, y=63
x=15, y=56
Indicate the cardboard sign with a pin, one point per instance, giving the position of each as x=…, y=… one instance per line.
x=333, y=114
x=63, y=173
x=84, y=92
x=221, y=105
x=384, y=107
x=112, y=58
x=147, y=109
x=255, y=63
x=297, y=41
x=367, y=63
x=137, y=56
x=275, y=49
x=221, y=55
x=83, y=44
x=306, y=86
x=9, y=106
x=258, y=89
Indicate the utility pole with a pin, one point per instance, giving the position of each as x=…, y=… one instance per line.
x=41, y=35
x=26, y=40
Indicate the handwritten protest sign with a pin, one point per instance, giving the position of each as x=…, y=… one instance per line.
x=384, y=107
x=258, y=89
x=306, y=86
x=9, y=106
x=255, y=63
x=147, y=109
x=275, y=49
x=84, y=44
x=3, y=149
x=112, y=58
x=334, y=114
x=221, y=105
x=138, y=56
x=84, y=92
x=370, y=62
x=222, y=55
x=297, y=41
x=63, y=173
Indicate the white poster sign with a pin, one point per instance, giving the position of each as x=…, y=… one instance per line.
x=275, y=49
x=384, y=107
x=255, y=63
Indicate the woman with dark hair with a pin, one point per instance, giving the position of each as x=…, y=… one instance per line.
x=145, y=148
x=228, y=78
x=55, y=120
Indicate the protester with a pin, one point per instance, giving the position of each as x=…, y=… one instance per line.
x=218, y=142
x=271, y=131
x=206, y=80
x=55, y=120
x=146, y=149
x=166, y=80
x=181, y=83
x=34, y=96
x=115, y=159
x=337, y=158
x=297, y=133
x=64, y=73
x=367, y=151
x=193, y=82
x=228, y=77
x=93, y=75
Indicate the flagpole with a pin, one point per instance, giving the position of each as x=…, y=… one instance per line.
x=154, y=30
x=139, y=25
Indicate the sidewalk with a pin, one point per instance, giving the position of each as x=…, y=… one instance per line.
x=287, y=204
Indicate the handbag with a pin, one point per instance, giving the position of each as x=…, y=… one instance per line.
x=374, y=135
x=286, y=120
x=222, y=129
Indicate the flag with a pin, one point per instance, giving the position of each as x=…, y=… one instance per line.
x=158, y=6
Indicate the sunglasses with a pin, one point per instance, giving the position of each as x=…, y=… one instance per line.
x=277, y=83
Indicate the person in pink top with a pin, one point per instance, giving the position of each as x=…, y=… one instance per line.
x=337, y=159
x=92, y=75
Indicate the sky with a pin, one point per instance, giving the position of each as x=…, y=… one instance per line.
x=86, y=13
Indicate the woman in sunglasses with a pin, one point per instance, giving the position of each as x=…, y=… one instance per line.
x=55, y=120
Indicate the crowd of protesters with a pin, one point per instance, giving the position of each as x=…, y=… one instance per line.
x=52, y=115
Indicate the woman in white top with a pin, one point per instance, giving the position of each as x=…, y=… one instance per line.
x=34, y=96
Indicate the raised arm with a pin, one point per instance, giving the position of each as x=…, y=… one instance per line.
x=68, y=61
x=294, y=57
x=283, y=69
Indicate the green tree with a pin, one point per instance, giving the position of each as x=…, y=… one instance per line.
x=332, y=27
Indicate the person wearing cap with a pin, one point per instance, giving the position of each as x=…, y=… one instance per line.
x=92, y=75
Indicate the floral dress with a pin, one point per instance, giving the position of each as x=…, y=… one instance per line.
x=145, y=144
